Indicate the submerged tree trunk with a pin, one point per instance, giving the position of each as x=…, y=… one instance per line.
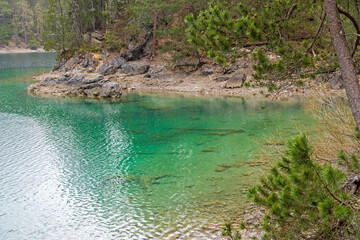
x=347, y=66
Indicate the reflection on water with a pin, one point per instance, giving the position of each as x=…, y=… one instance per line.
x=25, y=64
x=143, y=167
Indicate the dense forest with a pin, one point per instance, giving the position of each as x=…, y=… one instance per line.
x=296, y=31
x=288, y=40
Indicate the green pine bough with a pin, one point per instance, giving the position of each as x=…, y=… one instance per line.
x=305, y=200
x=285, y=28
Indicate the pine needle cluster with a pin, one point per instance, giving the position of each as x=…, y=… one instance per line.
x=304, y=200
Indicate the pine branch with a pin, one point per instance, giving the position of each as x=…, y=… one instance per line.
x=327, y=188
x=356, y=25
x=317, y=32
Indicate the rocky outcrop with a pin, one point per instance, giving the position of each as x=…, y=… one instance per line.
x=135, y=68
x=236, y=81
x=77, y=85
x=118, y=61
x=59, y=64
x=139, y=47
x=107, y=68
x=159, y=72
x=352, y=185
x=89, y=62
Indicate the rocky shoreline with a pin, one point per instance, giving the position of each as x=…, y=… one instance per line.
x=105, y=75
x=74, y=84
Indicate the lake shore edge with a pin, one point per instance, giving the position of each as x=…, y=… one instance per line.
x=8, y=50
x=75, y=77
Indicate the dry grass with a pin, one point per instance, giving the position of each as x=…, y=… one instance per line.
x=335, y=128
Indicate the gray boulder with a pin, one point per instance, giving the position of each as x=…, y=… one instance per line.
x=105, y=52
x=107, y=69
x=97, y=36
x=155, y=72
x=236, y=81
x=110, y=90
x=230, y=69
x=335, y=79
x=135, y=68
x=207, y=70
x=117, y=62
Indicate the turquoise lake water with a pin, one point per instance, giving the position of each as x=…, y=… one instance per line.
x=146, y=167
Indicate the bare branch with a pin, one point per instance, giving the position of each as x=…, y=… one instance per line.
x=356, y=25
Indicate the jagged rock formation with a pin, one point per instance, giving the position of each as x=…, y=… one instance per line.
x=77, y=85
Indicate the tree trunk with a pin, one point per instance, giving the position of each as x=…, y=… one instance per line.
x=62, y=26
x=92, y=15
x=347, y=67
x=75, y=23
x=154, y=34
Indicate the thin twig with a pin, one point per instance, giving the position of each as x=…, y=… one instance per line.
x=318, y=32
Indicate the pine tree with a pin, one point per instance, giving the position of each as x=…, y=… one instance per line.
x=221, y=30
x=304, y=199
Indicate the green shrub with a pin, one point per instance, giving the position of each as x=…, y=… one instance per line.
x=305, y=199
x=112, y=42
x=33, y=43
x=85, y=48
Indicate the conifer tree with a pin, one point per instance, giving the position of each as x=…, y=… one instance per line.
x=304, y=199
x=220, y=31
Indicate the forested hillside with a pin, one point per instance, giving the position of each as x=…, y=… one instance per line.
x=22, y=22
x=293, y=30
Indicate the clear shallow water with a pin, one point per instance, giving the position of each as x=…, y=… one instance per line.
x=146, y=167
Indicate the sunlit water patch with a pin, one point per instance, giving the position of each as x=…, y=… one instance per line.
x=145, y=167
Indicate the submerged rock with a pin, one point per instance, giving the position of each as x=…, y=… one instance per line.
x=145, y=181
x=77, y=84
x=206, y=150
x=215, y=203
x=220, y=169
